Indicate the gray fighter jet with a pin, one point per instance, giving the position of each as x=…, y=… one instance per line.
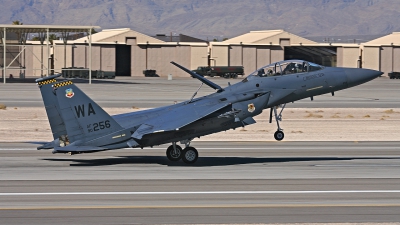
x=79, y=125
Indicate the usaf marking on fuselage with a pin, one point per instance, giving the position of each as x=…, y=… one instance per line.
x=79, y=125
x=313, y=76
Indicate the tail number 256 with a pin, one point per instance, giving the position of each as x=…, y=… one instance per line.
x=98, y=126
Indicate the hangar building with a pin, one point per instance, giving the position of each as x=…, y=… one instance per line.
x=259, y=48
x=128, y=52
x=382, y=53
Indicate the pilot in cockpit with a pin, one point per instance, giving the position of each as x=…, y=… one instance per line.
x=270, y=72
x=305, y=67
x=290, y=68
x=261, y=72
x=299, y=68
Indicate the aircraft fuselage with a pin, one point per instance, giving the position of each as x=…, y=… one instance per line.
x=277, y=90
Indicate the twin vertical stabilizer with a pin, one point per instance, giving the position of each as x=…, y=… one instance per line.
x=74, y=118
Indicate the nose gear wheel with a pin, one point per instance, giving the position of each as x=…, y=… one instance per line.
x=279, y=135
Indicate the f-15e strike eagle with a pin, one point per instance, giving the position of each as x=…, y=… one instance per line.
x=79, y=125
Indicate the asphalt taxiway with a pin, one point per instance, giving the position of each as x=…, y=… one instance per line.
x=232, y=182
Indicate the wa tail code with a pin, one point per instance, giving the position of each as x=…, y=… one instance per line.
x=80, y=110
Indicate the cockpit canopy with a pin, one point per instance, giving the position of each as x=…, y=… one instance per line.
x=286, y=67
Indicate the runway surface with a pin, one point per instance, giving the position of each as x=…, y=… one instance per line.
x=232, y=182
x=154, y=92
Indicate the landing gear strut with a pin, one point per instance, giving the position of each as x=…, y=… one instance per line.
x=279, y=135
x=188, y=155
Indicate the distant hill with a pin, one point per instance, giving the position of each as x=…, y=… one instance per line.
x=213, y=18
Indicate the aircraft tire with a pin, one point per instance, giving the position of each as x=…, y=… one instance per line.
x=170, y=153
x=190, y=155
x=279, y=135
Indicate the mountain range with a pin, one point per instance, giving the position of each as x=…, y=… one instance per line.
x=213, y=18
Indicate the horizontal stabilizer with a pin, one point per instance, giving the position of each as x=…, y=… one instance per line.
x=74, y=148
x=49, y=145
x=201, y=78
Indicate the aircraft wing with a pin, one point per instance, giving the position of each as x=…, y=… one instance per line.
x=178, y=117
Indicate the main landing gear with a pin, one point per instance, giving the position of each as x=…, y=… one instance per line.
x=279, y=135
x=174, y=152
x=188, y=155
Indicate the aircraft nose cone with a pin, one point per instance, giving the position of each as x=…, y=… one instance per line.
x=356, y=76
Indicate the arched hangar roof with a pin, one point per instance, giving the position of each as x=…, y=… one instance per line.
x=390, y=39
x=120, y=35
x=268, y=37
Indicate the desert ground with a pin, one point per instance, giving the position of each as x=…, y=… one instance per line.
x=19, y=124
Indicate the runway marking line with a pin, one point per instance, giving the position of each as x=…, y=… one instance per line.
x=196, y=192
x=241, y=148
x=198, y=206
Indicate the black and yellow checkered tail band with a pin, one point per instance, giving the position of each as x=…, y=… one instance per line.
x=61, y=84
x=41, y=83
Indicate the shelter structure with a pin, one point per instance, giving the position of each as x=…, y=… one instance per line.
x=326, y=54
x=254, y=49
x=126, y=52
x=21, y=55
x=382, y=53
x=258, y=48
x=129, y=53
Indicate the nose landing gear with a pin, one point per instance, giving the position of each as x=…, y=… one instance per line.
x=279, y=135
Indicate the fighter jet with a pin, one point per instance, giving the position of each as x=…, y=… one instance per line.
x=79, y=125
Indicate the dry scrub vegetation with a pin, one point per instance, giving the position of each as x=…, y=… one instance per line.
x=389, y=111
x=335, y=115
x=297, y=132
x=312, y=115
